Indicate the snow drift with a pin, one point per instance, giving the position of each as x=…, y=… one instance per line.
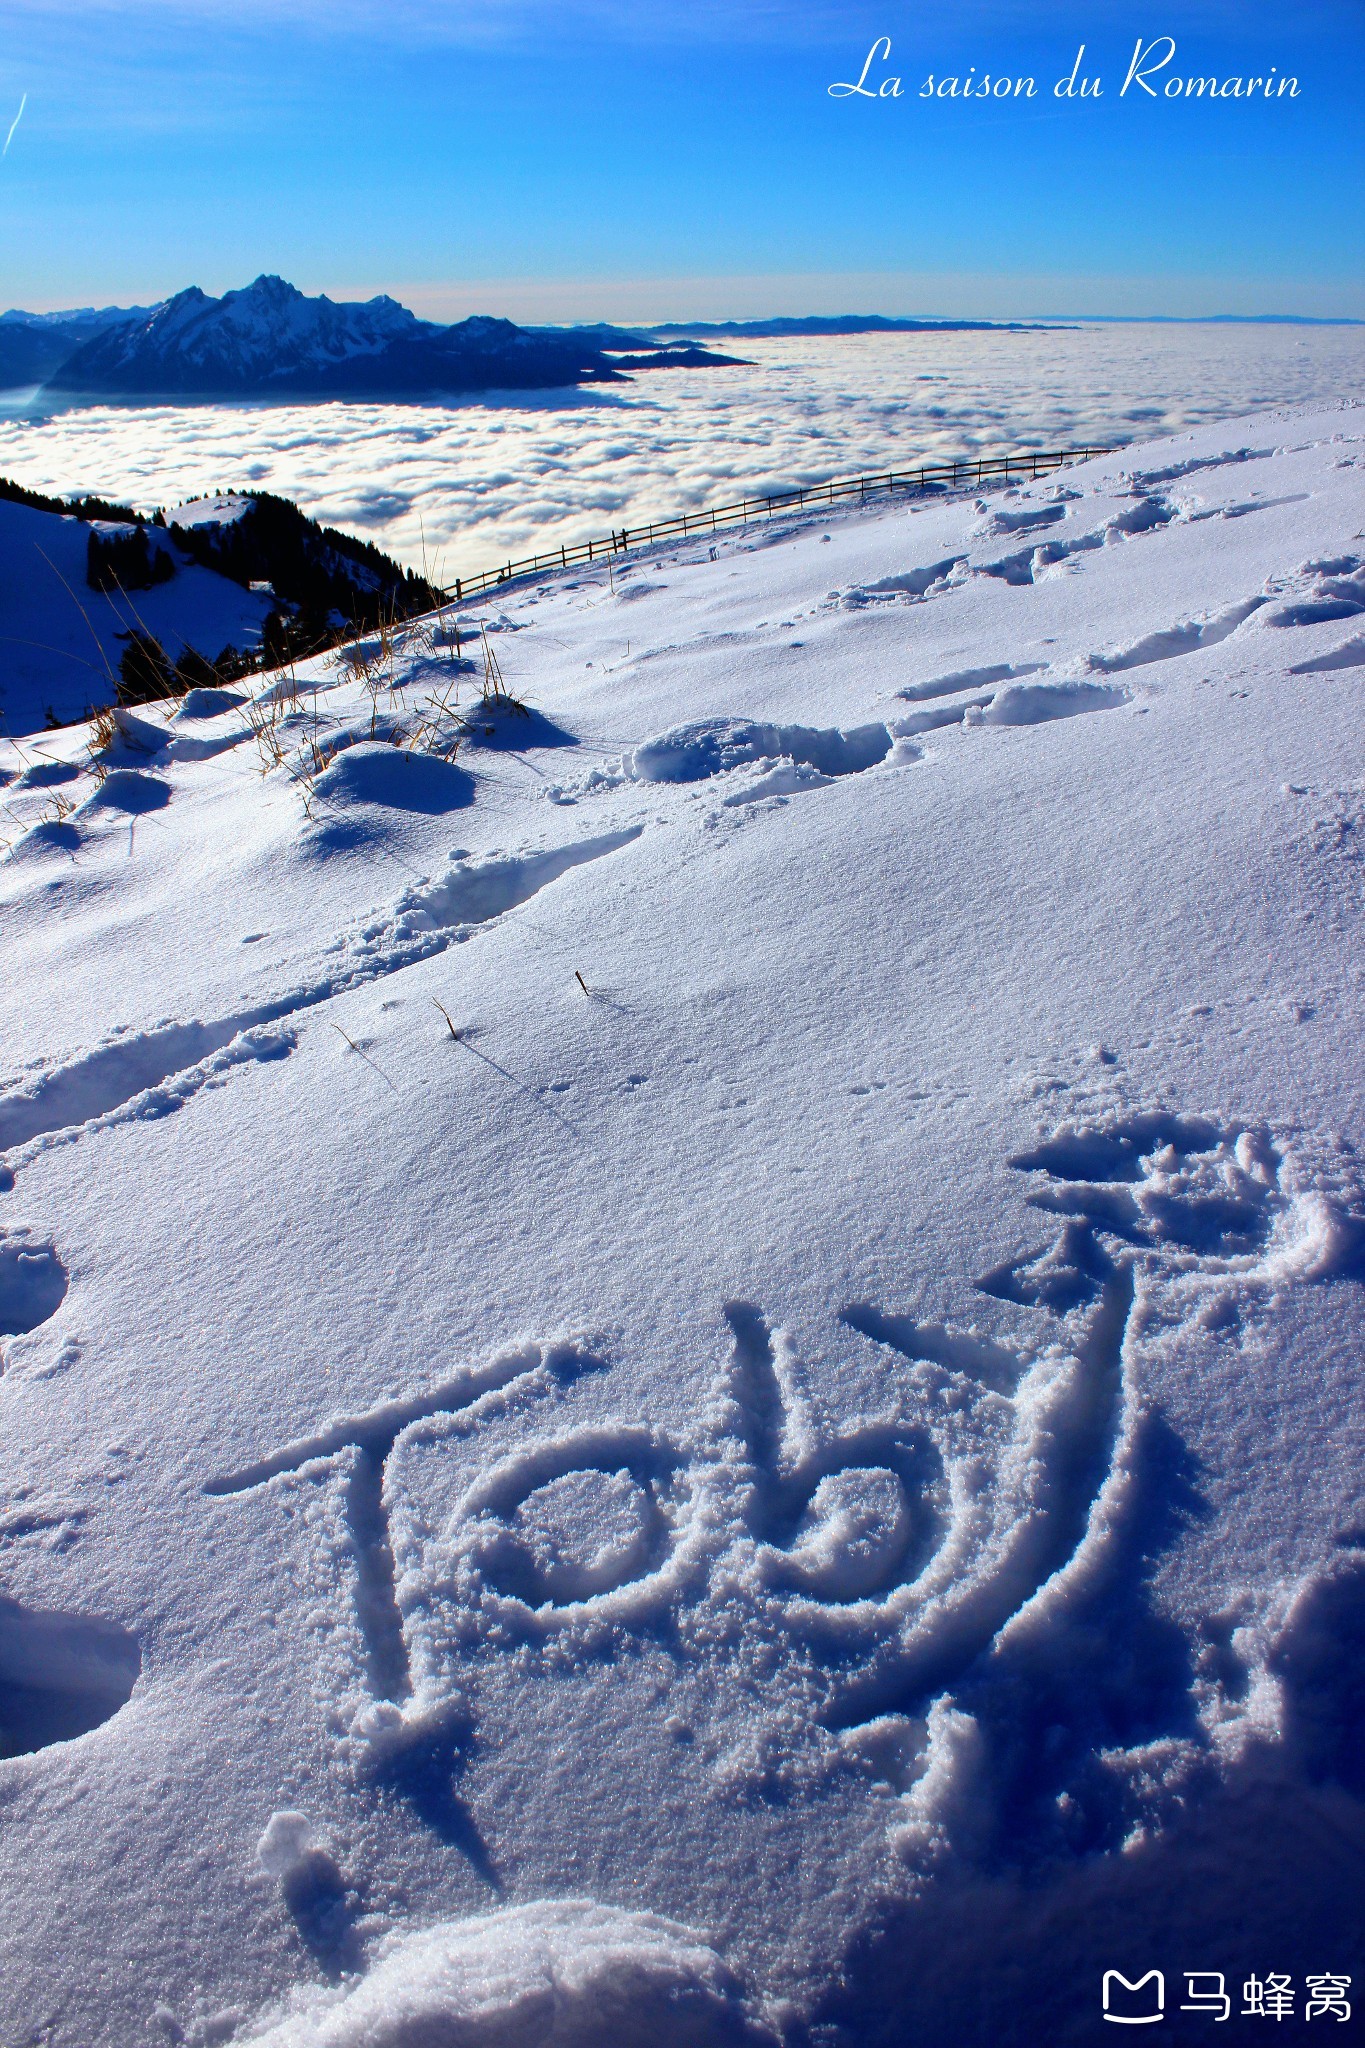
x=550, y=1975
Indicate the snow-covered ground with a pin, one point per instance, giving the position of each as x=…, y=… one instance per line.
x=804, y=1486
x=450, y=490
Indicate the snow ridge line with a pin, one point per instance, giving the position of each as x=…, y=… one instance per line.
x=154, y=1072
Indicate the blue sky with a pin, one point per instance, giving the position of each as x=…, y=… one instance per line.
x=661, y=158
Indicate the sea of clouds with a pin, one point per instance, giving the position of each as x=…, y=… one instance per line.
x=463, y=487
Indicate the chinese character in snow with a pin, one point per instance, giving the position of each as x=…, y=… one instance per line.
x=1327, y=1998
x=1271, y=1999
x=1206, y=1992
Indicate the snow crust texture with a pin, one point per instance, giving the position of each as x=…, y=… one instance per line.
x=703, y=1414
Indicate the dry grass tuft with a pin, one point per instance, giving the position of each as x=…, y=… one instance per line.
x=496, y=694
x=450, y=1022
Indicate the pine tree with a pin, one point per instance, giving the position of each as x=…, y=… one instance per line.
x=194, y=671
x=145, y=675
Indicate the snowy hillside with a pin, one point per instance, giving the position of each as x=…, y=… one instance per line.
x=685, y=1367
x=60, y=641
x=223, y=585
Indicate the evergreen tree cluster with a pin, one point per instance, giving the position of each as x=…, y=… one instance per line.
x=125, y=561
x=147, y=675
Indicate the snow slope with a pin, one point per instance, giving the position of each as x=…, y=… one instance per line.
x=804, y=1487
x=61, y=641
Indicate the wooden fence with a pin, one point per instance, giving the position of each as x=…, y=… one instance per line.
x=937, y=476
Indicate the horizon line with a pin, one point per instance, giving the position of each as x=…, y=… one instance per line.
x=653, y=322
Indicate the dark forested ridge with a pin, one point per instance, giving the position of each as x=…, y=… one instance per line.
x=316, y=568
x=74, y=508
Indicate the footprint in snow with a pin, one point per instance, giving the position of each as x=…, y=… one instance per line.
x=33, y=1283
x=61, y=1675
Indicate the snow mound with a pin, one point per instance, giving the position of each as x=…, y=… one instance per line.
x=568, y=1974
x=969, y=679
x=474, y=892
x=127, y=789
x=712, y=746
x=1351, y=654
x=1036, y=703
x=395, y=779
x=783, y=778
x=46, y=774
x=206, y=702
x=1024, y=519
x=1338, y=593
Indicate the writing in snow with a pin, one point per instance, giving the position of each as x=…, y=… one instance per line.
x=1147, y=73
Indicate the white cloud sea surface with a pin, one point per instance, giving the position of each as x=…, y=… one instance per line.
x=468, y=486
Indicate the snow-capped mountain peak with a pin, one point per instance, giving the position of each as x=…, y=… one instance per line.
x=269, y=339
x=267, y=329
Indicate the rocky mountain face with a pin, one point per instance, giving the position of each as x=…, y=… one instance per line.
x=269, y=340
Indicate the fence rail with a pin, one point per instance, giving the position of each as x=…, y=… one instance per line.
x=937, y=476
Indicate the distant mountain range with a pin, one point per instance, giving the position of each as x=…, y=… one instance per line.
x=1220, y=319
x=845, y=323
x=33, y=345
x=879, y=323
x=270, y=341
